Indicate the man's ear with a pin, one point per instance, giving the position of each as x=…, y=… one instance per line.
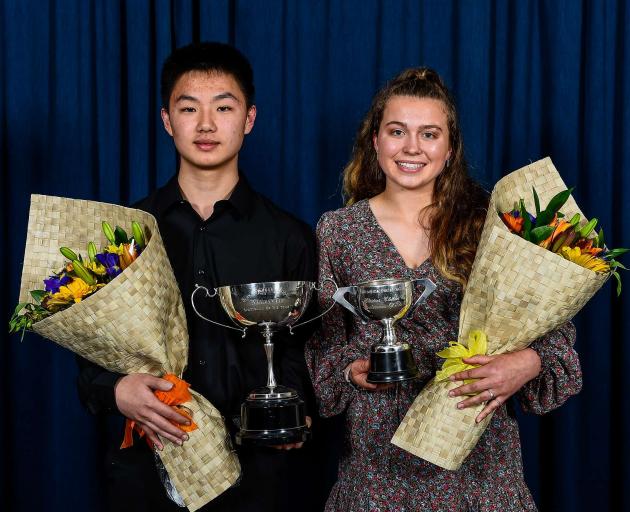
x=251, y=118
x=166, y=119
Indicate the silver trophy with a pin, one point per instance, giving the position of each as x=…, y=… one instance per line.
x=386, y=301
x=272, y=414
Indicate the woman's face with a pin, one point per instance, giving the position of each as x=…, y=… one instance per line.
x=412, y=143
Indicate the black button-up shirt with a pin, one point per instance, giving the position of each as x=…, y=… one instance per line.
x=246, y=239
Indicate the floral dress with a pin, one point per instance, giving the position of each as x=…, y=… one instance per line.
x=375, y=475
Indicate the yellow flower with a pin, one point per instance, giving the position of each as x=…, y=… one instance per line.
x=76, y=290
x=115, y=250
x=585, y=260
x=95, y=267
x=477, y=344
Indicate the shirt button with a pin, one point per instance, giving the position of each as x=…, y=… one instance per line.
x=202, y=362
x=202, y=228
x=201, y=272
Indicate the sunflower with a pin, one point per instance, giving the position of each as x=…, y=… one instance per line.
x=584, y=259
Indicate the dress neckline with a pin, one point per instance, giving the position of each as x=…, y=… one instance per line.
x=388, y=239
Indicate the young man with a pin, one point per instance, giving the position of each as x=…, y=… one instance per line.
x=217, y=231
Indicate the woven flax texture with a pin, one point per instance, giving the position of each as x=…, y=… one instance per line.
x=136, y=323
x=516, y=293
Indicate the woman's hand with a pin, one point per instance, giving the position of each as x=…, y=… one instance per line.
x=498, y=378
x=358, y=373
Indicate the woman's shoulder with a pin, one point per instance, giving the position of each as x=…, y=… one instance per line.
x=343, y=218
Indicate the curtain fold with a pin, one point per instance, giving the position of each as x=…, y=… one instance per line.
x=79, y=117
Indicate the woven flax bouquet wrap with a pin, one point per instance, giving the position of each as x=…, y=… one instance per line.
x=516, y=293
x=136, y=323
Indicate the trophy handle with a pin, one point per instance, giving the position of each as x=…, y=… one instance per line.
x=213, y=294
x=291, y=327
x=429, y=288
x=340, y=298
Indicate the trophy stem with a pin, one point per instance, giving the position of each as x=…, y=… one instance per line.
x=271, y=379
x=389, y=336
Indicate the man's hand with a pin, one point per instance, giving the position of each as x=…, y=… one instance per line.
x=358, y=373
x=135, y=399
x=497, y=379
x=290, y=446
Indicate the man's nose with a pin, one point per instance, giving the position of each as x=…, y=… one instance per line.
x=206, y=121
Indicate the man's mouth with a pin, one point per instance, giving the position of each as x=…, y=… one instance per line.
x=206, y=145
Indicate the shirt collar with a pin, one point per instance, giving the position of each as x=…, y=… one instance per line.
x=241, y=199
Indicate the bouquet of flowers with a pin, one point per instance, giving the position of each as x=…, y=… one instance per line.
x=531, y=275
x=122, y=310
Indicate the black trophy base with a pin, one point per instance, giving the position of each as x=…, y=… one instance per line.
x=395, y=365
x=272, y=417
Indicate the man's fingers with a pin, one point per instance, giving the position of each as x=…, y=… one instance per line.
x=169, y=413
x=151, y=435
x=478, y=359
x=156, y=383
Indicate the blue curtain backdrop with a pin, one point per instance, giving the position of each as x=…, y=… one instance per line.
x=79, y=117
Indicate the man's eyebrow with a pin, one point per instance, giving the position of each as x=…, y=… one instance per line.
x=226, y=95
x=186, y=97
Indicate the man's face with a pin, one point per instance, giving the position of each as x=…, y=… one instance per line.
x=208, y=118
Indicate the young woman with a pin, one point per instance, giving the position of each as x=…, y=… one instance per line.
x=413, y=212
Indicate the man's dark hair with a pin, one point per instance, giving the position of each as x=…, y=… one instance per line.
x=211, y=57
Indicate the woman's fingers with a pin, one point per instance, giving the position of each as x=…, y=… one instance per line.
x=490, y=407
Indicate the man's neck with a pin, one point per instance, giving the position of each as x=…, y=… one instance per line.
x=203, y=188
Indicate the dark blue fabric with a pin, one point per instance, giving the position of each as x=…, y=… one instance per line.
x=79, y=117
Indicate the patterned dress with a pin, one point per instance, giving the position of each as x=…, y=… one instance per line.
x=375, y=475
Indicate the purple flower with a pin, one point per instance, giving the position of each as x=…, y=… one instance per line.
x=53, y=283
x=517, y=214
x=111, y=263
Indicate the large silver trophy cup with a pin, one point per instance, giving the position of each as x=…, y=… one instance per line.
x=272, y=414
x=386, y=301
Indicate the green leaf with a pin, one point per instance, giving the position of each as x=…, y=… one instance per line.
x=615, y=252
x=541, y=233
x=616, y=275
x=38, y=295
x=527, y=223
x=556, y=202
x=536, y=201
x=599, y=240
x=121, y=236
x=616, y=264
x=19, y=308
x=560, y=215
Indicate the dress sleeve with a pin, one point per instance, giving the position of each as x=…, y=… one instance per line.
x=328, y=351
x=560, y=376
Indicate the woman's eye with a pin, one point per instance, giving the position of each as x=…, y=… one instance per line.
x=397, y=132
x=429, y=135
x=224, y=108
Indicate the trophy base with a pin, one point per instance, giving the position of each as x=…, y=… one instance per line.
x=391, y=363
x=271, y=417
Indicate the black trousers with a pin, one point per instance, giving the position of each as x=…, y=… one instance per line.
x=271, y=481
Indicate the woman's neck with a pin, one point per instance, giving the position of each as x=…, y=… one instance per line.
x=406, y=205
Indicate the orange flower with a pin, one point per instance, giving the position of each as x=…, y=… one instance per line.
x=511, y=221
x=559, y=228
x=587, y=247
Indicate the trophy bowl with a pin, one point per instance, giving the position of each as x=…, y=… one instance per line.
x=386, y=301
x=271, y=414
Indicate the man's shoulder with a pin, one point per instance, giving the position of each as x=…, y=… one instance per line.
x=281, y=220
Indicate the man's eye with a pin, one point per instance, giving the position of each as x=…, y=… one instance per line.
x=224, y=108
x=188, y=109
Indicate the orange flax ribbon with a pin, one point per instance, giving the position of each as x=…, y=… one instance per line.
x=174, y=397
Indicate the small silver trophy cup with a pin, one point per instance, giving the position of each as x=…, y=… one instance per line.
x=272, y=414
x=386, y=301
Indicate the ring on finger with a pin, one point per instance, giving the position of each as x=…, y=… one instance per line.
x=492, y=395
